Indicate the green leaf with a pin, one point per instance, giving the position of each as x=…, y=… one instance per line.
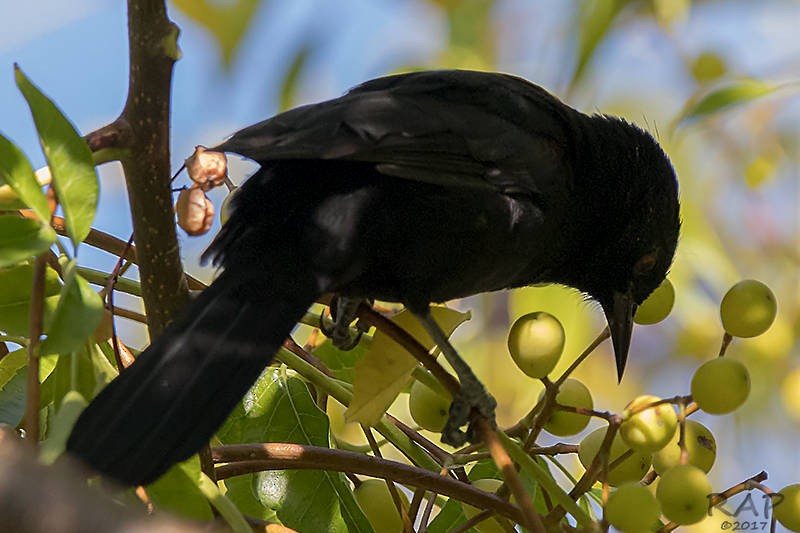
x=85, y=371
x=232, y=515
x=16, y=283
x=280, y=409
x=341, y=363
x=452, y=514
x=539, y=472
x=177, y=491
x=594, y=20
x=59, y=429
x=12, y=386
x=226, y=21
x=292, y=76
x=76, y=317
x=724, y=97
x=16, y=172
x=22, y=238
x=14, y=381
x=450, y=517
x=69, y=157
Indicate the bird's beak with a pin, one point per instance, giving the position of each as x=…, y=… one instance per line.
x=620, y=322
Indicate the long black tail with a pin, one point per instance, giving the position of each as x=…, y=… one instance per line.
x=179, y=391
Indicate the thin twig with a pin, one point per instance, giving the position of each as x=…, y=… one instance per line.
x=35, y=328
x=726, y=341
x=605, y=334
x=398, y=503
x=750, y=483
x=510, y=476
x=108, y=243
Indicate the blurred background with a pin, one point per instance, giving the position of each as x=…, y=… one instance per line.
x=651, y=61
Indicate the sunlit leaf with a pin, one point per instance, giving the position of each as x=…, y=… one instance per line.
x=280, y=408
x=727, y=96
x=342, y=363
x=16, y=283
x=386, y=368
x=471, y=39
x=61, y=426
x=292, y=77
x=22, y=238
x=227, y=21
x=12, y=386
x=69, y=158
x=452, y=514
x=13, y=383
x=76, y=317
x=668, y=12
x=177, y=491
x=594, y=20
x=17, y=173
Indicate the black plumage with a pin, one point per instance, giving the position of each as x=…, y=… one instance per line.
x=414, y=188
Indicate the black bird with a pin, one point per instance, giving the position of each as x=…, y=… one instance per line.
x=414, y=188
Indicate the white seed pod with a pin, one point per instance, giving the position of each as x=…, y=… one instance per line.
x=206, y=168
x=195, y=211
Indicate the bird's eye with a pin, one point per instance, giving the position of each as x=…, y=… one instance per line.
x=644, y=265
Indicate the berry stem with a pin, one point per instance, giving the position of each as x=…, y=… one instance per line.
x=726, y=340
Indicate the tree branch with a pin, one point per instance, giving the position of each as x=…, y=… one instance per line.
x=153, y=51
x=250, y=458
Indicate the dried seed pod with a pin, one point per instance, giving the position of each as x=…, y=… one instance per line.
x=207, y=168
x=195, y=211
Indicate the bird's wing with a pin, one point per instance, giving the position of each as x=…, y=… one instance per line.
x=454, y=128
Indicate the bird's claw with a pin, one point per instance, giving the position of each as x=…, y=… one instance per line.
x=340, y=332
x=461, y=412
x=344, y=340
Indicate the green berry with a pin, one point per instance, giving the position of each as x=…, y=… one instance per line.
x=657, y=306
x=572, y=393
x=683, y=494
x=428, y=408
x=375, y=500
x=632, y=468
x=720, y=385
x=651, y=429
x=630, y=496
x=787, y=509
x=700, y=446
x=535, y=342
x=490, y=525
x=748, y=309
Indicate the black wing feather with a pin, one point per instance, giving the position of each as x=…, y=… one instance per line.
x=454, y=128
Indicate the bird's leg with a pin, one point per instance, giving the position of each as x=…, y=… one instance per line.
x=344, y=312
x=472, y=393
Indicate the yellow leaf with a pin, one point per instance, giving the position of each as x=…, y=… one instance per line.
x=226, y=21
x=386, y=368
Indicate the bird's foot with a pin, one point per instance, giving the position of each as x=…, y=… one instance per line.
x=472, y=397
x=343, y=310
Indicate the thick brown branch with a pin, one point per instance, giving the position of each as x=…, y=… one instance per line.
x=249, y=458
x=153, y=51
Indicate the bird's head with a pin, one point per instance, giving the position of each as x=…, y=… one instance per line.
x=633, y=191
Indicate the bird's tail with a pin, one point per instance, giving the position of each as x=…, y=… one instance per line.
x=180, y=390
